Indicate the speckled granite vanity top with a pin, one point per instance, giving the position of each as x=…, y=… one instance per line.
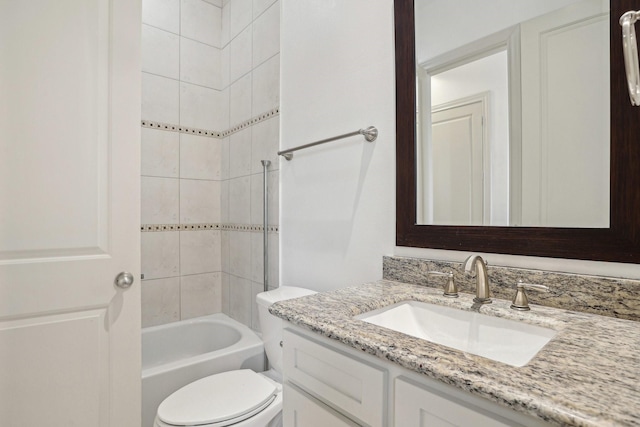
x=587, y=375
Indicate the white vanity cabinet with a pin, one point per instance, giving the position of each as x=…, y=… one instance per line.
x=330, y=384
x=351, y=386
x=418, y=405
x=302, y=410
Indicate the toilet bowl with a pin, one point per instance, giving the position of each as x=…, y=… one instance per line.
x=240, y=398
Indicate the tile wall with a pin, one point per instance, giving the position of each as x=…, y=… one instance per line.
x=210, y=106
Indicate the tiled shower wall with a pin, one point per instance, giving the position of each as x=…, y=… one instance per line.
x=210, y=102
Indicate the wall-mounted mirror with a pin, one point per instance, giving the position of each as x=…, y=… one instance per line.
x=513, y=112
x=514, y=133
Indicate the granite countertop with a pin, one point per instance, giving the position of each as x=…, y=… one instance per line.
x=587, y=375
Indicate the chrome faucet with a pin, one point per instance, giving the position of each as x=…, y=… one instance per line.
x=477, y=264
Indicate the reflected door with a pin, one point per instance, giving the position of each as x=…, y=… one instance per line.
x=69, y=212
x=565, y=117
x=458, y=172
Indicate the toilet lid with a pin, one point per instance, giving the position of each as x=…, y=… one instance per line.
x=218, y=398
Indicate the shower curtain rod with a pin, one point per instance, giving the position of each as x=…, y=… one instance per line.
x=370, y=134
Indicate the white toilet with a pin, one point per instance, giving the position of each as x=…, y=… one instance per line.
x=241, y=398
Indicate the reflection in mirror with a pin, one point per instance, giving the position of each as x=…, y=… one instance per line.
x=512, y=113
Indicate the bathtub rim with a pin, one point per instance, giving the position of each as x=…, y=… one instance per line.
x=249, y=341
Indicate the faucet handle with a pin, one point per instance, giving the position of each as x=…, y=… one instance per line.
x=520, y=301
x=450, y=289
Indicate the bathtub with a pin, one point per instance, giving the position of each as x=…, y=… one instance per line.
x=175, y=354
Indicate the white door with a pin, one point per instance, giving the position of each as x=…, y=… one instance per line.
x=565, y=120
x=69, y=212
x=458, y=165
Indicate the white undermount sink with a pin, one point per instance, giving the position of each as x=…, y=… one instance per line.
x=503, y=340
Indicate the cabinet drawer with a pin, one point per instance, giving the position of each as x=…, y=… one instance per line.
x=418, y=405
x=343, y=382
x=301, y=410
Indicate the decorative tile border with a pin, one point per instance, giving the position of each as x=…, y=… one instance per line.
x=606, y=296
x=256, y=119
x=181, y=129
x=250, y=228
x=145, y=228
x=178, y=227
x=211, y=133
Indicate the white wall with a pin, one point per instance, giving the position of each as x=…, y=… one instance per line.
x=443, y=25
x=337, y=200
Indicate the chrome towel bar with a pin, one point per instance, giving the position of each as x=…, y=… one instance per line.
x=370, y=134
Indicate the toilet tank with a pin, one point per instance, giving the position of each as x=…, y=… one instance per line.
x=271, y=326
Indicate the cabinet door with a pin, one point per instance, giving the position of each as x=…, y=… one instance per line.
x=351, y=385
x=302, y=410
x=420, y=406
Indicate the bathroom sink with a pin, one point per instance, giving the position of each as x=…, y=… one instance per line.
x=503, y=340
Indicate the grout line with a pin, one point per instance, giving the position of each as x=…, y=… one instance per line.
x=179, y=150
x=204, y=43
x=252, y=21
x=185, y=178
x=163, y=76
x=142, y=175
x=163, y=29
x=252, y=70
x=159, y=278
x=204, y=272
x=249, y=175
x=213, y=46
x=202, y=86
x=273, y=2
x=185, y=37
x=266, y=60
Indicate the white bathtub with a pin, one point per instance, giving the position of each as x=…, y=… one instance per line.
x=175, y=354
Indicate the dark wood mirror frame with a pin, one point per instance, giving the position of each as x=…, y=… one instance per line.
x=618, y=243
